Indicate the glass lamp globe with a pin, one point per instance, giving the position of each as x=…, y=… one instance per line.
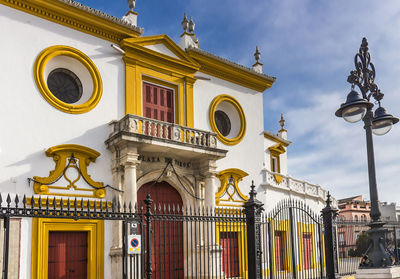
x=355, y=107
x=382, y=127
x=354, y=113
x=382, y=122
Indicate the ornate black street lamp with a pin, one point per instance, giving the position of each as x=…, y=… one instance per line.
x=354, y=109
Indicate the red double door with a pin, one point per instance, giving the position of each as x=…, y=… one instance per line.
x=229, y=242
x=307, y=251
x=167, y=235
x=67, y=257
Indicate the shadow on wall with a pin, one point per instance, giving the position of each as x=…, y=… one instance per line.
x=38, y=164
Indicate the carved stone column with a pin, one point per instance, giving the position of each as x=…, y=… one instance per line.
x=124, y=177
x=210, y=183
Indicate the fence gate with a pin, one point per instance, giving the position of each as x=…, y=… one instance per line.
x=292, y=245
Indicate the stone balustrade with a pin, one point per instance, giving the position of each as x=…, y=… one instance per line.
x=294, y=185
x=164, y=131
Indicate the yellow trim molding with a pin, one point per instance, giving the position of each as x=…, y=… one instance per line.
x=144, y=64
x=229, y=189
x=104, y=27
x=41, y=227
x=211, y=115
x=276, y=139
x=79, y=158
x=306, y=228
x=282, y=226
x=221, y=68
x=99, y=204
x=39, y=72
x=240, y=228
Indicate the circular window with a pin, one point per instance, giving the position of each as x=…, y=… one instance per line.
x=68, y=79
x=65, y=85
x=227, y=119
x=223, y=122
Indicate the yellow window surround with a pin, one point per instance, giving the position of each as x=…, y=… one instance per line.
x=74, y=157
x=229, y=193
x=39, y=73
x=275, y=151
x=144, y=64
x=211, y=116
x=41, y=227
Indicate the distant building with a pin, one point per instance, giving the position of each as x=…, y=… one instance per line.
x=352, y=210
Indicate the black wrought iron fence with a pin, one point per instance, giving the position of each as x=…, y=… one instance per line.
x=352, y=243
x=293, y=242
x=187, y=242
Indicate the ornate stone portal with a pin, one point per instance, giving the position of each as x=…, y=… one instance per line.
x=183, y=157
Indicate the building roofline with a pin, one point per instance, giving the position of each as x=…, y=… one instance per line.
x=276, y=138
x=79, y=17
x=225, y=69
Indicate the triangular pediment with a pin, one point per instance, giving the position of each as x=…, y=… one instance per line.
x=278, y=148
x=163, y=46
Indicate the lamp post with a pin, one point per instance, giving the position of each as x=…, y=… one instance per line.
x=359, y=107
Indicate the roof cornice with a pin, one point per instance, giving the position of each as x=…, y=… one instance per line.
x=277, y=139
x=79, y=17
x=230, y=71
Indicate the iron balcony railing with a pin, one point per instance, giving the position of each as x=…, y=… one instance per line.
x=163, y=131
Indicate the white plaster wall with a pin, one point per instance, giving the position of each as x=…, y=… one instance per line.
x=29, y=124
x=248, y=154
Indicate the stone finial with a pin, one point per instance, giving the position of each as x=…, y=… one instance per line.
x=131, y=16
x=185, y=23
x=257, y=55
x=188, y=38
x=282, y=122
x=282, y=132
x=191, y=25
x=131, y=4
x=258, y=65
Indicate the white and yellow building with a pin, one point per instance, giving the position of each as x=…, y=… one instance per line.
x=92, y=108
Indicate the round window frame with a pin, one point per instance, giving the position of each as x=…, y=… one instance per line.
x=213, y=107
x=41, y=81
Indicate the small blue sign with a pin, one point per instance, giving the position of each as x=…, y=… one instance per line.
x=135, y=242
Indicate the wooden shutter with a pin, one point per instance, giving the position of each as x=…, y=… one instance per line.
x=158, y=102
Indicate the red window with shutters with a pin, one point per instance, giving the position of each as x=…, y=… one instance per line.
x=158, y=102
x=68, y=255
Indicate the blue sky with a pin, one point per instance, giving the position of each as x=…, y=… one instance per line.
x=309, y=46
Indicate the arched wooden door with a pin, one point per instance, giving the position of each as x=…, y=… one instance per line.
x=167, y=232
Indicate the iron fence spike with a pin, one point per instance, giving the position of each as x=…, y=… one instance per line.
x=8, y=200
x=61, y=204
x=40, y=202
x=130, y=207
x=23, y=201
x=16, y=200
